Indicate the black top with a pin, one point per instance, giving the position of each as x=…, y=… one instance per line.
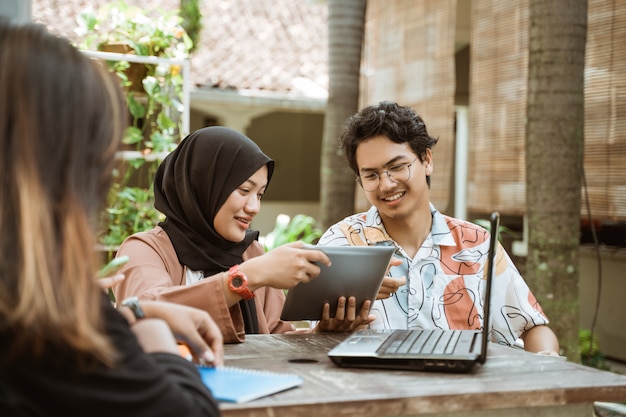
x=151, y=385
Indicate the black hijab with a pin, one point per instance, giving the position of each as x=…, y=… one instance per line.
x=191, y=185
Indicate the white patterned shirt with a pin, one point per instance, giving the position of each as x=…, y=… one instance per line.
x=446, y=279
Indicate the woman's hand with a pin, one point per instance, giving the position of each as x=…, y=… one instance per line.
x=192, y=326
x=345, y=320
x=284, y=267
x=108, y=282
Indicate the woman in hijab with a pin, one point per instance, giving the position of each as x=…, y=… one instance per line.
x=205, y=255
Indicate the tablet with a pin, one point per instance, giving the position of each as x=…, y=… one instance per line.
x=355, y=271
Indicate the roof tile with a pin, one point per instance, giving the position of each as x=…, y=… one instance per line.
x=271, y=45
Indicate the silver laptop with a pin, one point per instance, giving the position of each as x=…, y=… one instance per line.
x=422, y=350
x=355, y=271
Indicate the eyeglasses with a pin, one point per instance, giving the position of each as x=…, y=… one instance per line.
x=396, y=173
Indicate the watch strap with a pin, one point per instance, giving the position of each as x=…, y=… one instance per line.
x=238, y=283
x=133, y=304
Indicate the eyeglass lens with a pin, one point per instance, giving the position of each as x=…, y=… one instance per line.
x=396, y=173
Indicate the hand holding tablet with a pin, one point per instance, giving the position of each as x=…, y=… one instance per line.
x=355, y=271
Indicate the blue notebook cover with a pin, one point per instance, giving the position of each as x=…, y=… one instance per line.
x=239, y=385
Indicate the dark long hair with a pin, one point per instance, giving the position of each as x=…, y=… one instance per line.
x=61, y=120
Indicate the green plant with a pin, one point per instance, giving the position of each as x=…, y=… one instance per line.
x=301, y=227
x=155, y=128
x=192, y=20
x=503, y=230
x=129, y=207
x=154, y=91
x=590, y=353
x=130, y=210
x=147, y=32
x=154, y=96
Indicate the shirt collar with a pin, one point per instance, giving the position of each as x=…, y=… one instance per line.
x=375, y=232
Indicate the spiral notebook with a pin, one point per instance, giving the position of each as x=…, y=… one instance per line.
x=239, y=385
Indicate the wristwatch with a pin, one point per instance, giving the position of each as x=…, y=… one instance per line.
x=238, y=283
x=133, y=304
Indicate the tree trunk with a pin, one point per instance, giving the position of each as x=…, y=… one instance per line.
x=346, y=24
x=554, y=158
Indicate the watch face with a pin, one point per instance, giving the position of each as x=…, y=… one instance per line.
x=237, y=281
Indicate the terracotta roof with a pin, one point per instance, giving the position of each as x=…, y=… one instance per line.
x=270, y=45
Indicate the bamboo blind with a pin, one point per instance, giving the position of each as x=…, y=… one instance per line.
x=409, y=58
x=498, y=72
x=605, y=110
x=499, y=60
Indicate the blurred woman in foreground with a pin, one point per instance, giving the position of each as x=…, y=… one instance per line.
x=64, y=349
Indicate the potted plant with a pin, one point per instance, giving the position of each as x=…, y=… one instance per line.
x=155, y=104
x=146, y=32
x=154, y=91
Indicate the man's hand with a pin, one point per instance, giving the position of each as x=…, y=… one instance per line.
x=390, y=285
x=345, y=319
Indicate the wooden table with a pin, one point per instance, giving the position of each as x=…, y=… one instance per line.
x=511, y=383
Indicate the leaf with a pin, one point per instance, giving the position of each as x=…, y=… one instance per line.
x=301, y=227
x=151, y=85
x=165, y=122
x=132, y=135
x=137, y=110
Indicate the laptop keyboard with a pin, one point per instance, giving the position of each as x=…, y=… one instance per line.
x=409, y=342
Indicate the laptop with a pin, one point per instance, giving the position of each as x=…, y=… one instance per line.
x=422, y=350
x=355, y=271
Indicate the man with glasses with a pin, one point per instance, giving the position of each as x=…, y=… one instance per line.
x=437, y=277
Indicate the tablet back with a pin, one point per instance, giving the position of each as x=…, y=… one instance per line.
x=355, y=271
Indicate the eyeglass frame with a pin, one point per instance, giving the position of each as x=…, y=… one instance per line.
x=386, y=172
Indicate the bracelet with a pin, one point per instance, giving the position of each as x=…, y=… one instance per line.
x=133, y=304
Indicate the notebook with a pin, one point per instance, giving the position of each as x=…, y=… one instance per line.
x=422, y=350
x=355, y=271
x=239, y=385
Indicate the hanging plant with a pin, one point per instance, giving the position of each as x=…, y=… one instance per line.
x=154, y=92
x=155, y=104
